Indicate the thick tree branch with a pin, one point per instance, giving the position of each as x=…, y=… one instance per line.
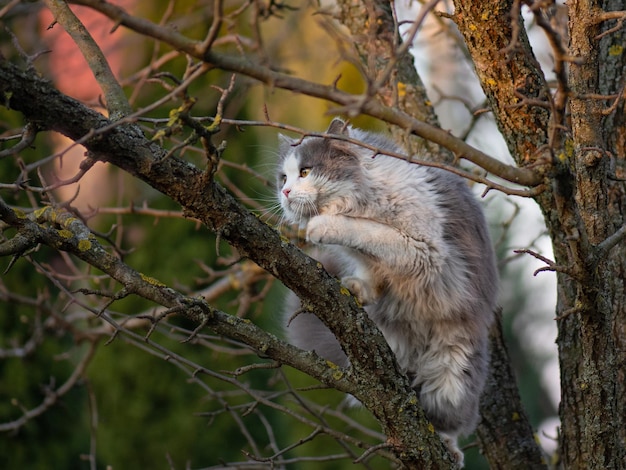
x=509, y=74
x=63, y=231
x=522, y=176
x=505, y=434
x=394, y=81
x=381, y=387
x=357, y=103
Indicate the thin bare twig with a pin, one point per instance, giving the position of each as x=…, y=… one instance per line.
x=551, y=265
x=52, y=396
x=603, y=16
x=28, y=137
x=5, y=9
x=218, y=12
x=559, y=102
x=603, y=249
x=114, y=94
x=461, y=149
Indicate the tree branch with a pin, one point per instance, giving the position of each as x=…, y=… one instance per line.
x=522, y=176
x=117, y=103
x=394, y=81
x=52, y=396
x=505, y=435
x=380, y=385
x=63, y=231
x=509, y=73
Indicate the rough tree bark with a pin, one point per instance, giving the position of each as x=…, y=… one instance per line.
x=584, y=207
x=591, y=296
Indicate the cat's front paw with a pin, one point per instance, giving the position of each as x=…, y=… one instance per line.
x=361, y=289
x=319, y=230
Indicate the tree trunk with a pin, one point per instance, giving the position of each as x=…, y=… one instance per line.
x=583, y=207
x=592, y=300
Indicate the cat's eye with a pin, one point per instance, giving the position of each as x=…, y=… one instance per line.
x=283, y=179
x=304, y=172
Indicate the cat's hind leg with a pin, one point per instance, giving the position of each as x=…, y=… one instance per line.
x=451, y=443
x=450, y=382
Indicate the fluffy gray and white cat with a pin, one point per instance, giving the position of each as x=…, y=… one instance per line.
x=412, y=244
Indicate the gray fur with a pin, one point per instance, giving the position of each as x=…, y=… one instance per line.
x=412, y=244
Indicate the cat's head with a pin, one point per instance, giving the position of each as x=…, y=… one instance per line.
x=317, y=175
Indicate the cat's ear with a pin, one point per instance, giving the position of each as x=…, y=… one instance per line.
x=284, y=143
x=339, y=127
x=284, y=140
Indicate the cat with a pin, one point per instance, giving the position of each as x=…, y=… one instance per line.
x=412, y=244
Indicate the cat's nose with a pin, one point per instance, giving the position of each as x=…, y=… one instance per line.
x=286, y=192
